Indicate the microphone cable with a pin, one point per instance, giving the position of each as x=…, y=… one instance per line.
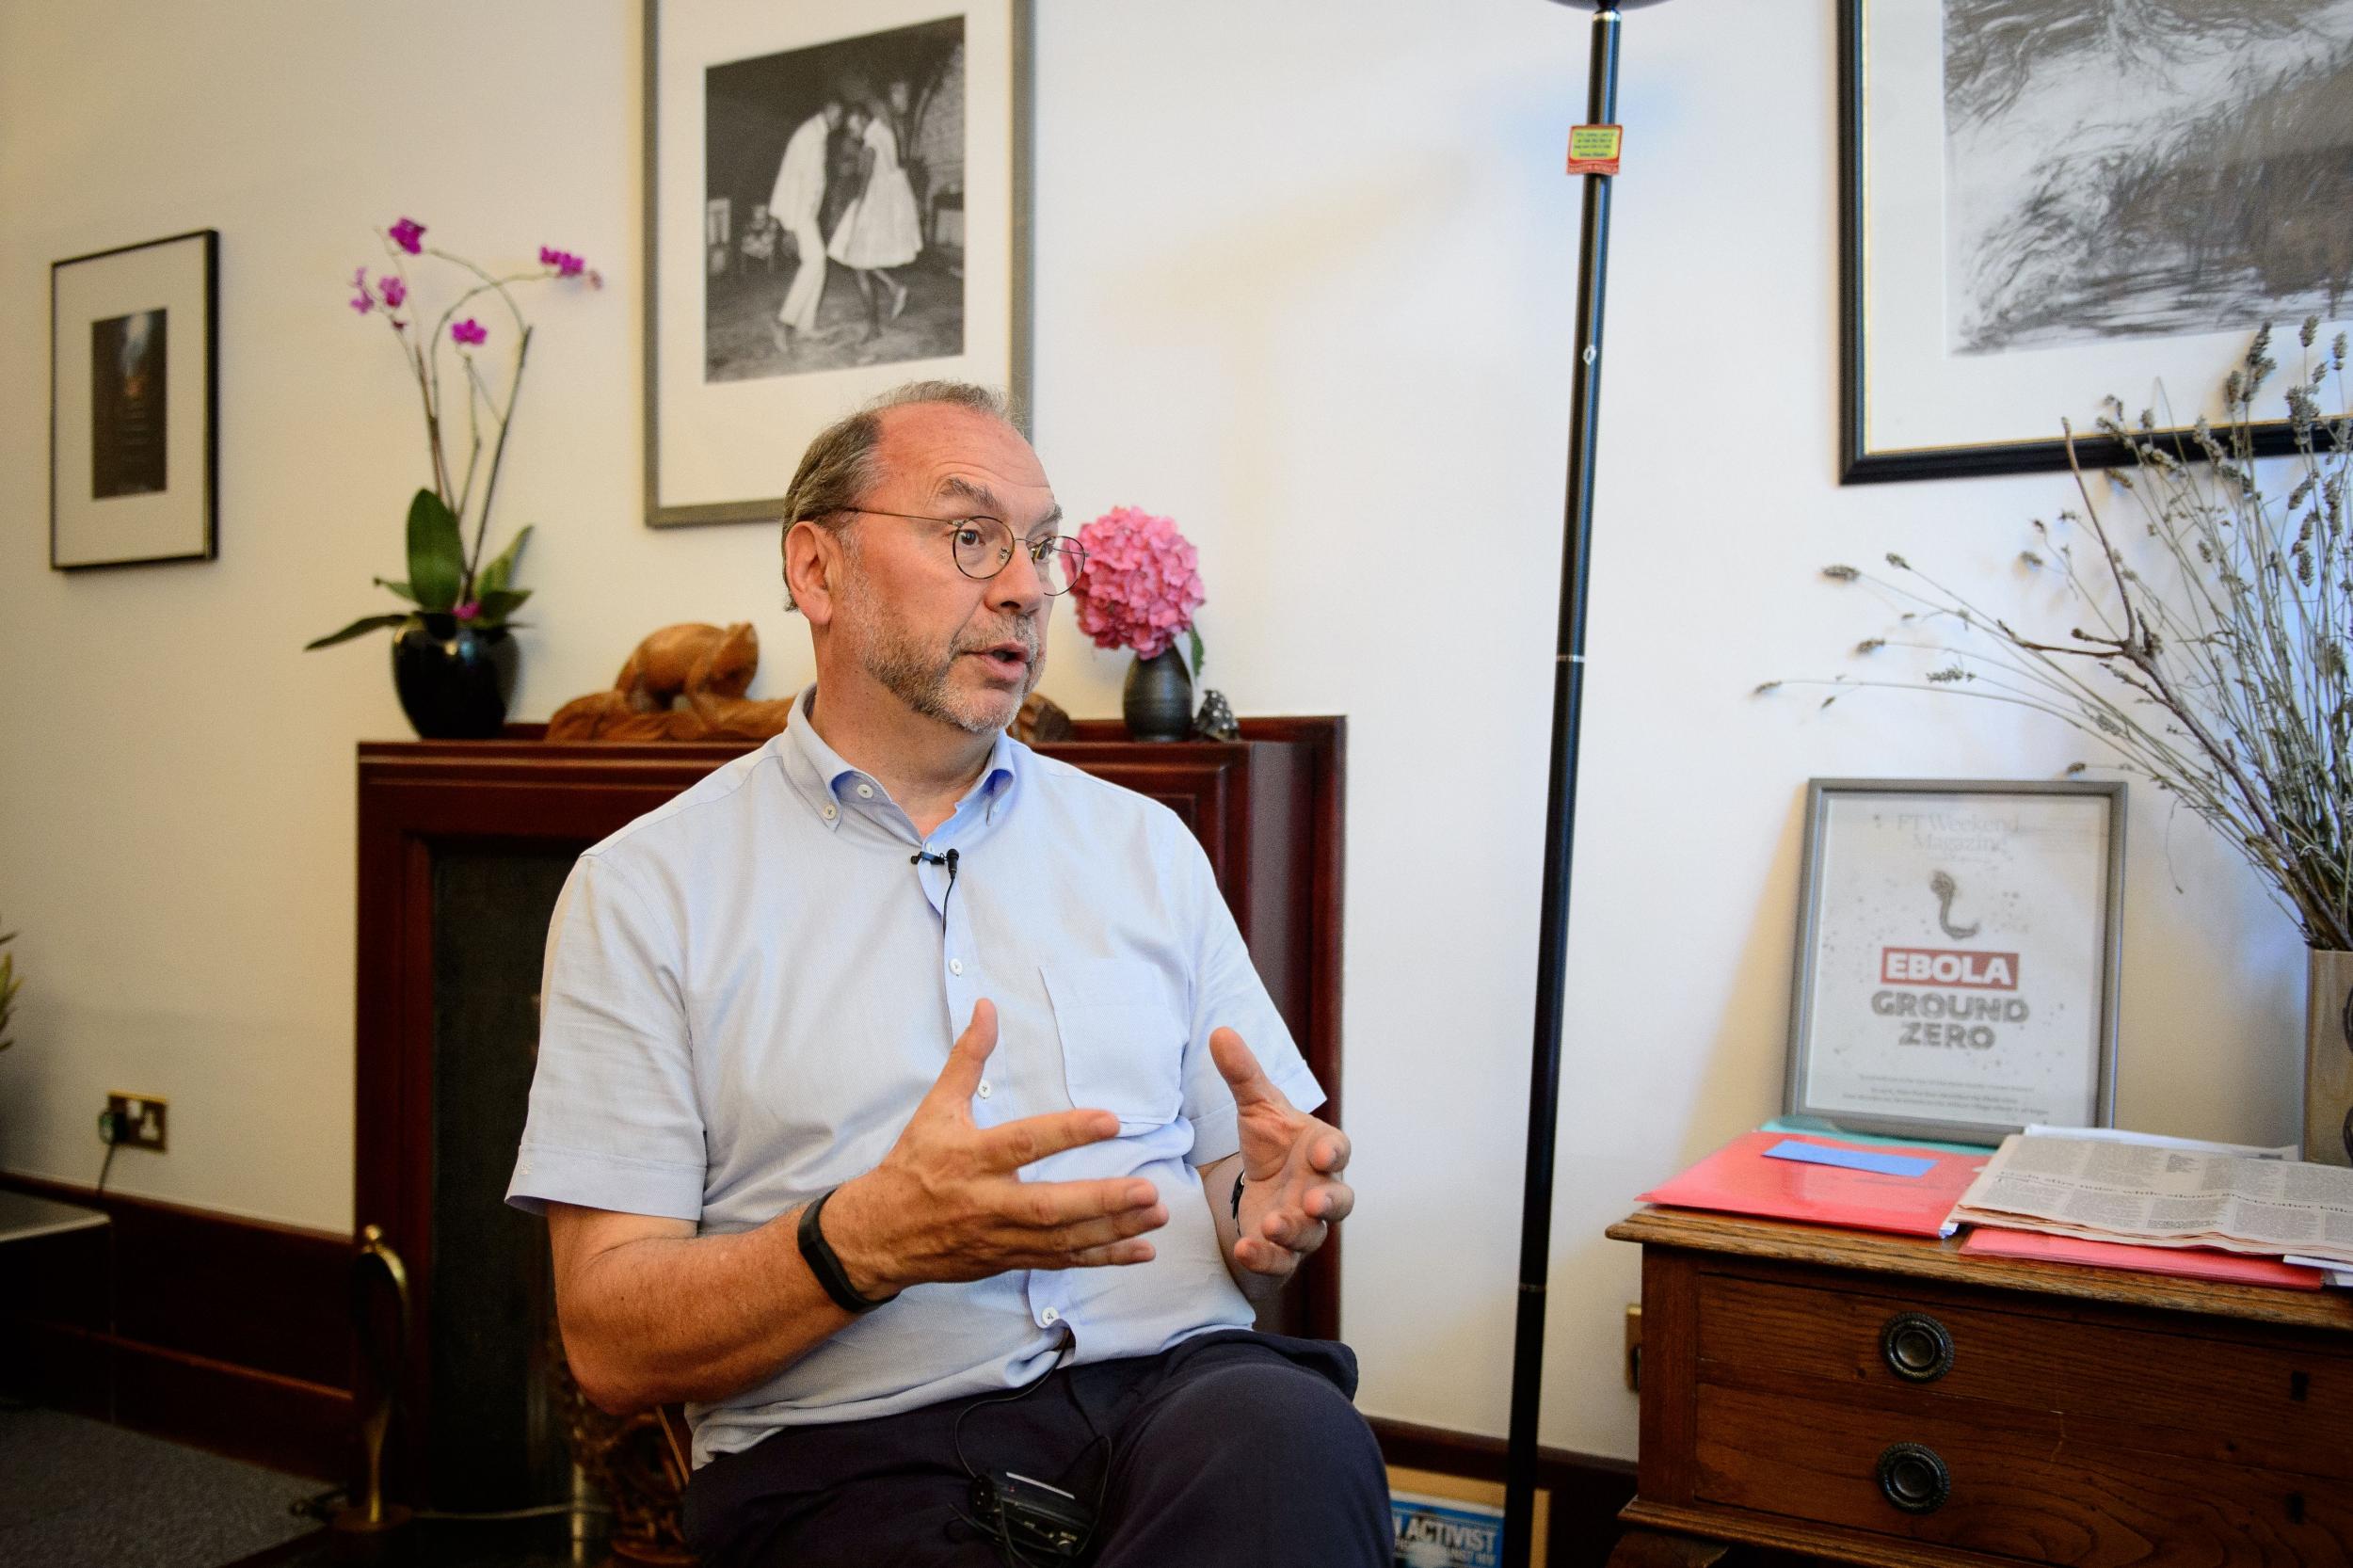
x=949, y=860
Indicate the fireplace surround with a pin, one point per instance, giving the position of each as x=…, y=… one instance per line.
x=463, y=846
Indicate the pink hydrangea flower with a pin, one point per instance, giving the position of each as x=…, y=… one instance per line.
x=409, y=236
x=1141, y=585
x=468, y=332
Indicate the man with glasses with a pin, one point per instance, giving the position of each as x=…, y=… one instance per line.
x=907, y=1104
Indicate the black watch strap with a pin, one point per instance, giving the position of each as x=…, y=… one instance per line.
x=826, y=1267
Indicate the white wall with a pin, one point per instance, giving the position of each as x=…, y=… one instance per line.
x=1302, y=281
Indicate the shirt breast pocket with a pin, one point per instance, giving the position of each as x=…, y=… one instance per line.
x=1122, y=1041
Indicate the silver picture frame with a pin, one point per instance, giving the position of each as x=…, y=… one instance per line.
x=1958, y=952
x=728, y=413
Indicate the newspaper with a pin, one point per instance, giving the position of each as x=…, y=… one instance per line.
x=2165, y=1140
x=2109, y=1189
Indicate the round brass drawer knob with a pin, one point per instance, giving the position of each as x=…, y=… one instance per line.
x=1918, y=1348
x=1914, y=1478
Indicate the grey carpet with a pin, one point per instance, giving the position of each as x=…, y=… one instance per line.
x=81, y=1493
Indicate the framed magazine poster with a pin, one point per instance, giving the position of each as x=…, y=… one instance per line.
x=1957, y=950
x=837, y=200
x=133, y=395
x=2047, y=202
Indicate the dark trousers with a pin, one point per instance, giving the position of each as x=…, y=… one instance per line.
x=1232, y=1448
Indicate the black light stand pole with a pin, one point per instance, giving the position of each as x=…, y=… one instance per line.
x=1568, y=682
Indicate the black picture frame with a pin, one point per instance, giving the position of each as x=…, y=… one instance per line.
x=1869, y=923
x=135, y=404
x=2065, y=384
x=705, y=475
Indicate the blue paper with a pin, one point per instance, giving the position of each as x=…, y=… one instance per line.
x=1850, y=1159
x=1815, y=1128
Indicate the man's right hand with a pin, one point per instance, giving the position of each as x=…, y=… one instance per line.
x=947, y=1203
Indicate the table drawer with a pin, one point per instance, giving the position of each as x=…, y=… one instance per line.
x=2204, y=1391
x=2018, y=1484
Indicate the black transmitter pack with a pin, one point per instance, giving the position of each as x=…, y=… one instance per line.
x=1037, y=1521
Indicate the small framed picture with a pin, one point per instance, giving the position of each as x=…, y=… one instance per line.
x=2048, y=202
x=837, y=200
x=1958, y=947
x=133, y=393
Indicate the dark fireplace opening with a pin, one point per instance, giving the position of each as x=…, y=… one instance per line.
x=498, y=1433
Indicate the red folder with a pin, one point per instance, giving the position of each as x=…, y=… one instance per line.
x=1739, y=1179
x=2190, y=1262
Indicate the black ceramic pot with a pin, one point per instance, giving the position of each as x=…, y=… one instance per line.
x=454, y=680
x=1157, y=701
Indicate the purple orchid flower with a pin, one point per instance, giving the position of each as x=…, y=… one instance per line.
x=468, y=610
x=393, y=290
x=409, y=236
x=566, y=263
x=469, y=332
x=363, y=302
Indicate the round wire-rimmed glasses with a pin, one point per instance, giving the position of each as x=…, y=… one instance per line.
x=983, y=545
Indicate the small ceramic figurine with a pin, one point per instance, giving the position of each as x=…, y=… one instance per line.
x=1215, y=722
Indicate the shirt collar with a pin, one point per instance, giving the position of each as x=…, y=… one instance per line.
x=821, y=775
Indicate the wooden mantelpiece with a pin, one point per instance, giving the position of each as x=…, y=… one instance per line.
x=1267, y=808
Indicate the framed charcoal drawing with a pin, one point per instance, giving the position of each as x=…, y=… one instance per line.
x=134, y=392
x=2046, y=202
x=1957, y=951
x=837, y=200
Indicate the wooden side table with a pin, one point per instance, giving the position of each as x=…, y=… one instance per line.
x=1886, y=1400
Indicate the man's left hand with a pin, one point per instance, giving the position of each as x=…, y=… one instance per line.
x=1293, y=1194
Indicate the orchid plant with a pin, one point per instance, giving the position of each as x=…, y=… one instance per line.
x=1141, y=585
x=447, y=578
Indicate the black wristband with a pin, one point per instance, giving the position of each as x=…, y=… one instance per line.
x=826, y=1267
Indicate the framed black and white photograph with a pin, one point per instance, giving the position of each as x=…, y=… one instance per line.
x=837, y=200
x=132, y=403
x=1957, y=950
x=2047, y=202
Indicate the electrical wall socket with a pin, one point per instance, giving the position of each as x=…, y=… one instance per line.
x=138, y=1120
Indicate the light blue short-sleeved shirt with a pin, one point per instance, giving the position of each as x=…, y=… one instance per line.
x=748, y=990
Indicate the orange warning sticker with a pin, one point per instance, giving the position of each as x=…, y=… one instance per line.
x=1593, y=149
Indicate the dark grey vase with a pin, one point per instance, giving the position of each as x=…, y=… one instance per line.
x=454, y=680
x=1157, y=701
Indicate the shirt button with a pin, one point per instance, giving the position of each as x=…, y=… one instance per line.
x=1049, y=1317
x=866, y=791
x=955, y=965
x=986, y=1091
x=829, y=813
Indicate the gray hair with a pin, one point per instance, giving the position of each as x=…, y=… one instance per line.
x=839, y=465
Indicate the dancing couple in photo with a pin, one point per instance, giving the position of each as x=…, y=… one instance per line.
x=879, y=230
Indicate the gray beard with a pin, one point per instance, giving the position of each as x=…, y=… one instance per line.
x=910, y=672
